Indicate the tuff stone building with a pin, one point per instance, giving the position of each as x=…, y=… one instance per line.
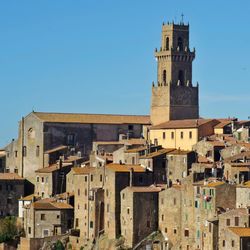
x=173, y=96
x=11, y=189
x=43, y=137
x=137, y=223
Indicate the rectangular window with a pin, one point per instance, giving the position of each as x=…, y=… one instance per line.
x=16, y=154
x=100, y=177
x=228, y=222
x=91, y=224
x=24, y=151
x=108, y=208
x=29, y=230
x=130, y=127
x=127, y=210
x=37, y=179
x=162, y=217
x=196, y=204
x=37, y=151
x=43, y=217
x=175, y=231
x=186, y=233
x=190, y=134
x=71, y=139
x=86, y=178
x=91, y=177
x=182, y=135
x=164, y=135
x=232, y=243
x=174, y=201
x=77, y=222
x=223, y=243
x=16, y=170
x=42, y=179
x=236, y=221
x=172, y=135
x=78, y=192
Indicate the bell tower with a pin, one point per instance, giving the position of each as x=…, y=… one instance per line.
x=173, y=95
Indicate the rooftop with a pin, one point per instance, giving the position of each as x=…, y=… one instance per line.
x=158, y=153
x=148, y=189
x=125, y=168
x=135, y=150
x=52, y=168
x=47, y=205
x=10, y=176
x=56, y=149
x=240, y=231
x=188, y=123
x=92, y=118
x=82, y=170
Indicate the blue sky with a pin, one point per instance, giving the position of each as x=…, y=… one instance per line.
x=97, y=56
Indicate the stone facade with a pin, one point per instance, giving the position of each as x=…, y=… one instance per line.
x=88, y=188
x=11, y=189
x=173, y=96
x=47, y=218
x=243, y=195
x=137, y=223
x=118, y=177
x=41, y=132
x=233, y=218
x=51, y=180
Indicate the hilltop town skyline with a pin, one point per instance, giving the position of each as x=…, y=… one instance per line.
x=61, y=52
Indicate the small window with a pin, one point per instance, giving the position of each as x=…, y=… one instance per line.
x=166, y=230
x=175, y=231
x=85, y=206
x=127, y=210
x=42, y=179
x=37, y=151
x=108, y=208
x=16, y=170
x=133, y=160
x=71, y=139
x=91, y=177
x=86, y=178
x=100, y=177
x=190, y=135
x=232, y=243
x=196, y=204
x=164, y=135
x=186, y=233
x=236, y=221
x=86, y=192
x=37, y=179
x=172, y=135
x=162, y=217
x=43, y=217
x=198, y=190
x=162, y=201
x=164, y=76
x=123, y=196
x=167, y=43
x=91, y=224
x=77, y=222
x=181, y=134
x=228, y=222
x=174, y=201
x=42, y=194
x=24, y=151
x=223, y=243
x=29, y=230
x=16, y=153
x=107, y=192
x=155, y=142
x=130, y=127
x=58, y=216
x=78, y=192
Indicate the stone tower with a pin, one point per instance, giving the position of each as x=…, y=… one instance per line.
x=173, y=96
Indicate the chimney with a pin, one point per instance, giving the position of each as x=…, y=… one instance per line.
x=131, y=177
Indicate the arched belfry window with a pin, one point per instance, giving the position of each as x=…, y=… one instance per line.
x=164, y=76
x=167, y=43
x=181, y=77
x=180, y=44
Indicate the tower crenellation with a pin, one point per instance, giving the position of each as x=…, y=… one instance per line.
x=174, y=96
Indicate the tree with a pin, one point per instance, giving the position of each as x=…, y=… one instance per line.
x=59, y=245
x=8, y=229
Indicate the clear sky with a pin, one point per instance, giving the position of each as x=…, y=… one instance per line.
x=97, y=56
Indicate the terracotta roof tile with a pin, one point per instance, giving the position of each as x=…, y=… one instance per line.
x=135, y=150
x=10, y=176
x=83, y=170
x=92, y=118
x=51, y=205
x=148, y=189
x=188, y=123
x=241, y=231
x=158, y=153
x=125, y=168
x=53, y=150
x=52, y=168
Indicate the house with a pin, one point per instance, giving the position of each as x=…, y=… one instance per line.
x=181, y=134
x=137, y=223
x=11, y=189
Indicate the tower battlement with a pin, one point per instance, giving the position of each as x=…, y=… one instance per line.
x=173, y=95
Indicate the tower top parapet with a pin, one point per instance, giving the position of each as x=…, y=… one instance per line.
x=172, y=25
